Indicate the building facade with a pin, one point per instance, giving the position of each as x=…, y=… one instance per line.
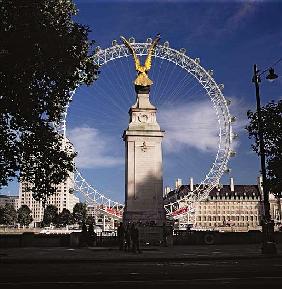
x=12, y=200
x=227, y=208
x=63, y=198
x=105, y=221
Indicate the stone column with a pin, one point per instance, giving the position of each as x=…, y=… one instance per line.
x=143, y=163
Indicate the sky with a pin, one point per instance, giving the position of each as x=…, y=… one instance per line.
x=228, y=36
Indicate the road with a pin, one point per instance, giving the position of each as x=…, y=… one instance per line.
x=255, y=273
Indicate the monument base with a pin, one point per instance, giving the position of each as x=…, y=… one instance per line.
x=151, y=225
x=151, y=235
x=155, y=235
x=145, y=218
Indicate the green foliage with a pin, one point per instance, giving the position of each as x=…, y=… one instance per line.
x=8, y=215
x=24, y=215
x=50, y=215
x=90, y=220
x=80, y=213
x=44, y=56
x=1, y=215
x=65, y=218
x=272, y=129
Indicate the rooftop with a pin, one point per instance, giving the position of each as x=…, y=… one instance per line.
x=247, y=191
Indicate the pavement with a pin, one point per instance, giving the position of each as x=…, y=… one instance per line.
x=33, y=255
x=191, y=266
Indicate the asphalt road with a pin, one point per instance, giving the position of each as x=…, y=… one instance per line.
x=256, y=273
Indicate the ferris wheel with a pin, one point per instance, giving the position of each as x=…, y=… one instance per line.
x=219, y=103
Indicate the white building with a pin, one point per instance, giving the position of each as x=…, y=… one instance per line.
x=228, y=207
x=62, y=199
x=104, y=221
x=13, y=200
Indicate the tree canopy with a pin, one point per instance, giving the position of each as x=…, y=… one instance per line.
x=24, y=215
x=65, y=218
x=8, y=215
x=80, y=213
x=50, y=215
x=44, y=56
x=272, y=133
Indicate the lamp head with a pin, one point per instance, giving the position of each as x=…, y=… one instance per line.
x=271, y=76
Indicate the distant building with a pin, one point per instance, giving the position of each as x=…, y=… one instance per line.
x=228, y=207
x=62, y=199
x=13, y=200
x=104, y=221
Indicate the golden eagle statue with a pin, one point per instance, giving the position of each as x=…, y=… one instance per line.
x=142, y=70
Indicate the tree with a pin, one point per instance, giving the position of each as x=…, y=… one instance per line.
x=80, y=213
x=272, y=134
x=90, y=220
x=50, y=215
x=44, y=56
x=24, y=215
x=64, y=218
x=8, y=215
x=1, y=215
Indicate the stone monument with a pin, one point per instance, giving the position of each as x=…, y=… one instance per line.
x=143, y=152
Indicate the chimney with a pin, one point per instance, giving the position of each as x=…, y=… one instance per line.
x=231, y=184
x=260, y=184
x=178, y=183
x=191, y=184
x=166, y=191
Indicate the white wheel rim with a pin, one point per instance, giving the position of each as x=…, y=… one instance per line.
x=213, y=90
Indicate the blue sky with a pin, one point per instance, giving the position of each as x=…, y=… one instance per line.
x=228, y=36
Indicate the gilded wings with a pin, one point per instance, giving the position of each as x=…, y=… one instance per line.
x=142, y=70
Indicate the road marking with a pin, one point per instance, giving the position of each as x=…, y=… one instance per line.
x=231, y=279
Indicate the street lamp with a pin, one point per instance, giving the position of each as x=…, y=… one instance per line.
x=268, y=244
x=271, y=76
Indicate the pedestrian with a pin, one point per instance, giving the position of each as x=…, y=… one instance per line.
x=92, y=236
x=84, y=235
x=135, y=239
x=127, y=238
x=164, y=235
x=121, y=235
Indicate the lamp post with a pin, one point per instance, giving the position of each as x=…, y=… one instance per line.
x=268, y=244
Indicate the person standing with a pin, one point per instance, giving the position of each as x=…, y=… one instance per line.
x=121, y=235
x=128, y=238
x=164, y=235
x=135, y=239
x=83, y=241
x=92, y=236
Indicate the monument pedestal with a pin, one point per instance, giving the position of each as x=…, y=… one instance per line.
x=143, y=164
